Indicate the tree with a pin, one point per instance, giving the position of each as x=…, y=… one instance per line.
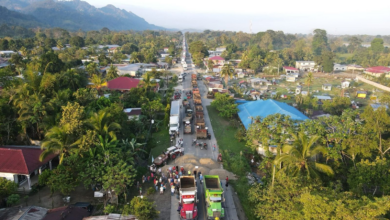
x=370, y=178
x=210, y=65
x=327, y=61
x=102, y=123
x=142, y=208
x=376, y=125
x=320, y=41
x=354, y=43
x=77, y=41
x=309, y=79
x=58, y=140
x=7, y=187
x=299, y=158
x=147, y=81
x=377, y=45
x=227, y=72
x=49, y=62
x=337, y=105
x=92, y=69
x=150, y=108
x=225, y=105
x=112, y=72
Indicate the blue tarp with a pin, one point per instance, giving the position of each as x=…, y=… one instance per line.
x=264, y=108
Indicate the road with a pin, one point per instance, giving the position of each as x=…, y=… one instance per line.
x=230, y=210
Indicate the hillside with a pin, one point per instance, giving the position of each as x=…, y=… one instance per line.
x=77, y=14
x=13, y=18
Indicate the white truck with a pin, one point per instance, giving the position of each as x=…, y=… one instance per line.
x=174, y=118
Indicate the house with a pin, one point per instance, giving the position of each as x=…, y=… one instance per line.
x=291, y=78
x=23, y=213
x=240, y=75
x=132, y=113
x=261, y=84
x=361, y=94
x=163, y=55
x=220, y=49
x=375, y=106
x=134, y=69
x=306, y=66
x=339, y=67
x=345, y=84
x=67, y=213
x=377, y=71
x=327, y=87
x=323, y=98
x=123, y=83
x=3, y=63
x=21, y=163
x=272, y=149
x=212, y=86
x=217, y=68
x=289, y=69
x=262, y=108
x=214, y=53
x=6, y=53
x=354, y=67
x=113, y=49
x=166, y=49
x=217, y=60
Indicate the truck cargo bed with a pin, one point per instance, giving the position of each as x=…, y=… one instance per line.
x=212, y=183
x=187, y=183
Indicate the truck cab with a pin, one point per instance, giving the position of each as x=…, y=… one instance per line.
x=188, y=198
x=174, y=124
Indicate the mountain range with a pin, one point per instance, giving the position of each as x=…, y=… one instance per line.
x=69, y=14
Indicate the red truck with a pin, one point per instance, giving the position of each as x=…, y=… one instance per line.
x=188, y=198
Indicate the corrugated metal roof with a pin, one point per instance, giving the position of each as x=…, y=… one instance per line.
x=264, y=108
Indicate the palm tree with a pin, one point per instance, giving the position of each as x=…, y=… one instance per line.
x=97, y=81
x=58, y=141
x=92, y=69
x=148, y=81
x=300, y=158
x=309, y=80
x=227, y=71
x=60, y=45
x=112, y=72
x=100, y=122
x=132, y=148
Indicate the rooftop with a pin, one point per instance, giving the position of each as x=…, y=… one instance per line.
x=289, y=68
x=123, y=83
x=378, y=69
x=21, y=160
x=216, y=58
x=132, y=111
x=66, y=213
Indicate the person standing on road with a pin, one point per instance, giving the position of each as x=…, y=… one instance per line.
x=227, y=182
x=214, y=147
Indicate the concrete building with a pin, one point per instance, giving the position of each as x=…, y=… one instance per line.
x=327, y=87
x=339, y=67
x=259, y=84
x=377, y=71
x=306, y=66
x=132, y=113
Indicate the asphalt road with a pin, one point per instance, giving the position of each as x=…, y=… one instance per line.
x=230, y=210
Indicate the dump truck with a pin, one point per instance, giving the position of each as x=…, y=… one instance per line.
x=199, y=122
x=199, y=108
x=202, y=133
x=213, y=197
x=198, y=101
x=187, y=127
x=188, y=198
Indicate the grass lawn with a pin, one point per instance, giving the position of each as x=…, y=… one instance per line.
x=230, y=147
x=162, y=142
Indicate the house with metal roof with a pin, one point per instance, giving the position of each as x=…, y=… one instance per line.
x=377, y=71
x=21, y=163
x=123, y=83
x=261, y=108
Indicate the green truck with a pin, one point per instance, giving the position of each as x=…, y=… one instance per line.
x=213, y=197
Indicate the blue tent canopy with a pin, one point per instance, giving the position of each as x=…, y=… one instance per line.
x=264, y=108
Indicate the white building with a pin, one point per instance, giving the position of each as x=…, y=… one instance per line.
x=340, y=67
x=306, y=66
x=132, y=113
x=6, y=53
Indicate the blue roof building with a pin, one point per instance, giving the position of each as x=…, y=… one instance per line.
x=264, y=108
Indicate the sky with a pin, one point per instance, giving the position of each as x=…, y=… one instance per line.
x=291, y=16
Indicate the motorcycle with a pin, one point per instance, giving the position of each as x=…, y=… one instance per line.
x=194, y=142
x=203, y=145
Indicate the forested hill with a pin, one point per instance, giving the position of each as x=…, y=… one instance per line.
x=74, y=15
x=14, y=18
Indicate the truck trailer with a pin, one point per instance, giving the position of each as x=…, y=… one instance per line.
x=213, y=197
x=174, y=123
x=188, y=198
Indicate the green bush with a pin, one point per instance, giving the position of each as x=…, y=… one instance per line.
x=13, y=199
x=150, y=191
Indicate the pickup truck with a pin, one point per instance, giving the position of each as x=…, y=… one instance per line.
x=170, y=153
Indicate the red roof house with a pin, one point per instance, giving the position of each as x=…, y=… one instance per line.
x=123, y=83
x=378, y=70
x=216, y=58
x=21, y=161
x=289, y=69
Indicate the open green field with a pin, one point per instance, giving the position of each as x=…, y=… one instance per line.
x=230, y=147
x=162, y=142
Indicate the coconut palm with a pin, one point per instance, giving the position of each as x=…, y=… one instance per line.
x=147, y=81
x=112, y=72
x=92, y=69
x=100, y=122
x=58, y=141
x=309, y=80
x=300, y=157
x=227, y=71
